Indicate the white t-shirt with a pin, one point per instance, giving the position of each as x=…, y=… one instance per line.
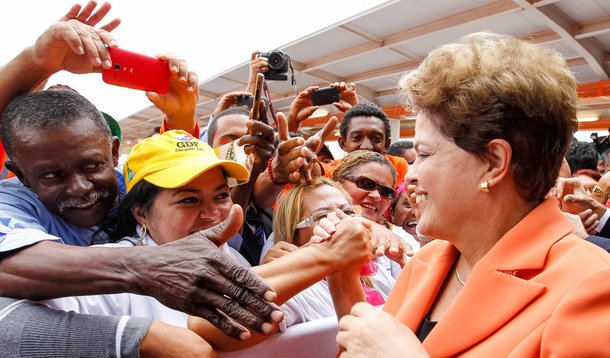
x=130, y=304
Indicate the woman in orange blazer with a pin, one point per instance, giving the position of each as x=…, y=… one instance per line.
x=504, y=276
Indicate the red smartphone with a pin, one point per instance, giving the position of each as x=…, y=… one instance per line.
x=133, y=70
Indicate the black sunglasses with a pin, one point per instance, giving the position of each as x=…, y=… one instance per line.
x=369, y=184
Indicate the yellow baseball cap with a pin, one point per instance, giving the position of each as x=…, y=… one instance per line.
x=173, y=159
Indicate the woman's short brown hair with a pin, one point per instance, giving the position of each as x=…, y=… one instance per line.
x=353, y=160
x=491, y=86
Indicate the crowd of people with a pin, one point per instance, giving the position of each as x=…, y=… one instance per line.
x=487, y=235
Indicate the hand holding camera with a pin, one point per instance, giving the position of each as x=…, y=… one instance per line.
x=301, y=108
x=278, y=64
x=258, y=64
x=347, y=96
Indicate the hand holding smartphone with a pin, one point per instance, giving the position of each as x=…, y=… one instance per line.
x=255, y=114
x=326, y=95
x=136, y=71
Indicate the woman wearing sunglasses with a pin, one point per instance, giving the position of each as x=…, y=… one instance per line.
x=368, y=177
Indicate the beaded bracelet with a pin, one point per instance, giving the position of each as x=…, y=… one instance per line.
x=270, y=172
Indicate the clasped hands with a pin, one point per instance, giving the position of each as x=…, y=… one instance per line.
x=383, y=241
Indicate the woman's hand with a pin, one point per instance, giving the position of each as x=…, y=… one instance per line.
x=369, y=332
x=391, y=245
x=180, y=101
x=384, y=241
x=351, y=244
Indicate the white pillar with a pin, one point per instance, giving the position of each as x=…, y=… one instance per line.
x=394, y=130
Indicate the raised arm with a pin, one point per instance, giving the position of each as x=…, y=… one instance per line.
x=72, y=44
x=180, y=102
x=190, y=275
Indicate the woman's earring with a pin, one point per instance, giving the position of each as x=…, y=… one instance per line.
x=142, y=231
x=485, y=187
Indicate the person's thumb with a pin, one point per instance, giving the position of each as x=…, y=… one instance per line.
x=572, y=199
x=314, y=144
x=228, y=228
x=307, y=112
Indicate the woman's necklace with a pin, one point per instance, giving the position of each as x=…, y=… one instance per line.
x=457, y=274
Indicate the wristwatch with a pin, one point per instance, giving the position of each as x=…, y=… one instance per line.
x=599, y=192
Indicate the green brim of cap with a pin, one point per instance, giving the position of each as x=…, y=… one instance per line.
x=115, y=128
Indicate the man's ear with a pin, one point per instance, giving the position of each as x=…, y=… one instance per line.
x=388, y=141
x=341, y=142
x=499, y=155
x=115, y=150
x=13, y=167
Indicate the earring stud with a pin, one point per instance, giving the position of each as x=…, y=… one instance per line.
x=485, y=187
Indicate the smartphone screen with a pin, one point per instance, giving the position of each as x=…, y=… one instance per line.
x=136, y=71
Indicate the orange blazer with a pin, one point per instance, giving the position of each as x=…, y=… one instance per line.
x=540, y=291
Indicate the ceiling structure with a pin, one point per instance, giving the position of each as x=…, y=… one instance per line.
x=375, y=48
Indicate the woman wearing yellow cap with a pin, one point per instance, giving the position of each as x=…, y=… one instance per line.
x=176, y=186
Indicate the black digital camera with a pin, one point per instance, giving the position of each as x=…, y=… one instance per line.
x=279, y=63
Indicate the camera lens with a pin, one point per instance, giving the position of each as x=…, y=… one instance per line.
x=276, y=61
x=117, y=66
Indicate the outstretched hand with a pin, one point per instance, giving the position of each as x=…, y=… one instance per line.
x=192, y=275
x=292, y=155
x=74, y=44
x=384, y=241
x=316, y=141
x=87, y=17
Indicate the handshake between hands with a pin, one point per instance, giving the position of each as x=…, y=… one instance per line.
x=338, y=225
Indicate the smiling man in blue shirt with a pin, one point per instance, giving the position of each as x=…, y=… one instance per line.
x=64, y=156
